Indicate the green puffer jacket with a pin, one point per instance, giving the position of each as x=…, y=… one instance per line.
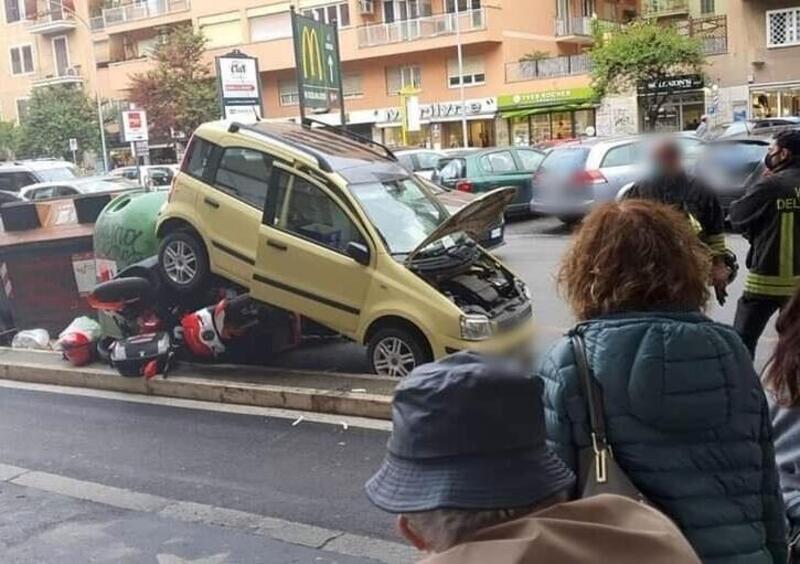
x=687, y=420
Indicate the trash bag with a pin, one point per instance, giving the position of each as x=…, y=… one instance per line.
x=37, y=339
x=77, y=342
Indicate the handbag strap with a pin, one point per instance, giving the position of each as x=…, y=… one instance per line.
x=593, y=394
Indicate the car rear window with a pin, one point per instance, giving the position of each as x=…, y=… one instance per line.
x=566, y=159
x=450, y=169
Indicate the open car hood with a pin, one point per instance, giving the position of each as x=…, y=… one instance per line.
x=473, y=219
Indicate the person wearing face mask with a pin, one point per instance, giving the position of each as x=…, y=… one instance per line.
x=668, y=183
x=768, y=218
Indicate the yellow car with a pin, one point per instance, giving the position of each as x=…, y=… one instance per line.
x=328, y=224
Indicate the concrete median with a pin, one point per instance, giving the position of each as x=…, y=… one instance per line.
x=322, y=392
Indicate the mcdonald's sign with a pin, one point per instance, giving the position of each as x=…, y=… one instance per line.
x=317, y=62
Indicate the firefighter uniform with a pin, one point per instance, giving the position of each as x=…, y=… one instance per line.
x=768, y=218
x=691, y=196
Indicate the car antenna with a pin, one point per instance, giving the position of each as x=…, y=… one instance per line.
x=255, y=113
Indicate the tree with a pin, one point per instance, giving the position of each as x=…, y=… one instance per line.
x=641, y=53
x=56, y=114
x=9, y=139
x=180, y=92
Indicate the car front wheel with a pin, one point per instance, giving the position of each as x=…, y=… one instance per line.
x=396, y=351
x=183, y=261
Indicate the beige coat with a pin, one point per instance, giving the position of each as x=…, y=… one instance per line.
x=604, y=529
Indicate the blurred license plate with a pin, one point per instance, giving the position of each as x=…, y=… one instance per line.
x=496, y=232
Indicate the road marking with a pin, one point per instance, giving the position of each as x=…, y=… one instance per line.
x=309, y=416
x=302, y=534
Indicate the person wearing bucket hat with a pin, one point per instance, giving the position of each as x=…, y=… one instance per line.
x=470, y=476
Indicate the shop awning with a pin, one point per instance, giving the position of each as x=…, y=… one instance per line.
x=524, y=112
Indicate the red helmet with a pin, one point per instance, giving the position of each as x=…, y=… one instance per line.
x=77, y=348
x=201, y=331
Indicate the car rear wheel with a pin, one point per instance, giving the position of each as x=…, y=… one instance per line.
x=396, y=351
x=183, y=261
x=570, y=220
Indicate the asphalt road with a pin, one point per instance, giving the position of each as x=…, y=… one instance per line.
x=533, y=250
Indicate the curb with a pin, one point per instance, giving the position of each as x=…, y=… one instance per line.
x=331, y=400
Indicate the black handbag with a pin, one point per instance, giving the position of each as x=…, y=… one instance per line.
x=598, y=472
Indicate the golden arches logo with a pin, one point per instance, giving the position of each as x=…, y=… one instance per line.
x=312, y=55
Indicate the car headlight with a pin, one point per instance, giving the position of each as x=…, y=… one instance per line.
x=526, y=291
x=475, y=327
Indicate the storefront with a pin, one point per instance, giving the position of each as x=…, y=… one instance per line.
x=539, y=117
x=441, y=125
x=683, y=108
x=775, y=101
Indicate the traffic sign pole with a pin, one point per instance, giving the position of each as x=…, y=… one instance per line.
x=298, y=61
x=341, y=82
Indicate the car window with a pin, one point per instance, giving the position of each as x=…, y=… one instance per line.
x=197, y=160
x=406, y=160
x=530, y=159
x=624, y=155
x=564, y=160
x=309, y=212
x=245, y=174
x=452, y=169
x=428, y=160
x=499, y=162
x=13, y=181
x=732, y=161
x=42, y=193
x=65, y=191
x=56, y=174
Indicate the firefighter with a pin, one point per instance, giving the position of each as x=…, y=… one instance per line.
x=670, y=184
x=768, y=218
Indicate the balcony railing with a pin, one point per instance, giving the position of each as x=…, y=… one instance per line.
x=138, y=11
x=581, y=25
x=712, y=32
x=426, y=27
x=69, y=75
x=566, y=65
x=664, y=7
x=51, y=22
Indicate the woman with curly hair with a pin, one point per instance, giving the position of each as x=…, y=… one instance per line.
x=686, y=414
x=782, y=381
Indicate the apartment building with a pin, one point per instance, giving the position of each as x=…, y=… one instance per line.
x=524, y=69
x=43, y=42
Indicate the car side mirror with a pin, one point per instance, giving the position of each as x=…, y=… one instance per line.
x=358, y=252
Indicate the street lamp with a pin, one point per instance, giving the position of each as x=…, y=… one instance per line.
x=93, y=62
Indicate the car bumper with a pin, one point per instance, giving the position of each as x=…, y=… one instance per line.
x=571, y=209
x=517, y=209
x=517, y=341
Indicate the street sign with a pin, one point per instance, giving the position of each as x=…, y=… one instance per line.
x=141, y=148
x=317, y=64
x=134, y=126
x=73, y=144
x=239, y=86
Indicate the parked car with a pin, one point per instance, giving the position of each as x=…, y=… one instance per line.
x=153, y=176
x=329, y=225
x=454, y=200
x=575, y=177
x=17, y=174
x=751, y=126
x=421, y=161
x=483, y=170
x=66, y=188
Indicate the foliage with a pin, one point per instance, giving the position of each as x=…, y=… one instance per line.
x=534, y=56
x=180, y=91
x=56, y=114
x=640, y=53
x=9, y=139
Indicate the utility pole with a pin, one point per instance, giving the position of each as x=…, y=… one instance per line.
x=461, y=75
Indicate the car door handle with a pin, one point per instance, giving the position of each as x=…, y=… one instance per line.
x=276, y=245
x=209, y=202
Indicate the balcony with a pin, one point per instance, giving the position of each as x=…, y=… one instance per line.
x=579, y=29
x=711, y=31
x=567, y=65
x=137, y=11
x=664, y=8
x=428, y=27
x=51, y=23
x=70, y=75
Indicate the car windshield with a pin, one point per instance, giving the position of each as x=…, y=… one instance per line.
x=404, y=212
x=56, y=174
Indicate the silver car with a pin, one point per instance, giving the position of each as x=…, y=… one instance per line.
x=574, y=177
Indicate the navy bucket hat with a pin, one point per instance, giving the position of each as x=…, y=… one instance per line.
x=468, y=433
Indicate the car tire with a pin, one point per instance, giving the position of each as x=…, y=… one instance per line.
x=570, y=220
x=183, y=262
x=396, y=350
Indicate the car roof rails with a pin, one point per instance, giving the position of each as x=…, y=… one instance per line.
x=342, y=130
x=321, y=161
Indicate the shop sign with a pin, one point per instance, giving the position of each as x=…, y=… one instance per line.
x=546, y=98
x=319, y=77
x=679, y=83
x=239, y=85
x=445, y=111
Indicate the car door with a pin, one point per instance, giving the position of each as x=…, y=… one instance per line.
x=231, y=207
x=500, y=169
x=620, y=165
x=301, y=262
